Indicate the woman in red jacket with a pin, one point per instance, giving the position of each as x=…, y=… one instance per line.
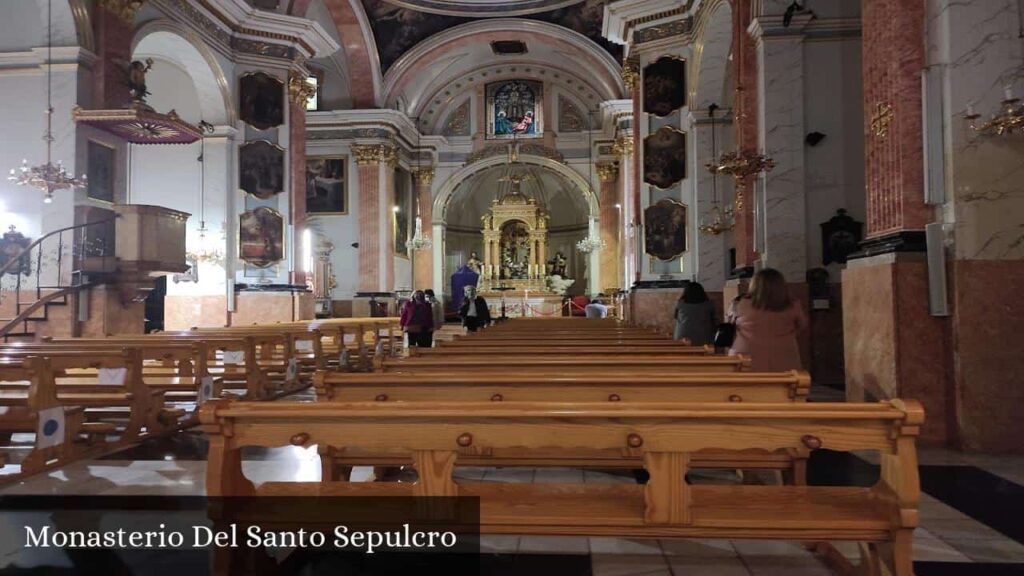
x=418, y=320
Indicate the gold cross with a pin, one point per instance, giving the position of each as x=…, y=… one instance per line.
x=882, y=119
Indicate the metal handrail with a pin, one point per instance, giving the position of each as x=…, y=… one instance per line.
x=39, y=240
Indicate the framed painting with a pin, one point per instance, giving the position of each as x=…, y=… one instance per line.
x=514, y=109
x=12, y=243
x=665, y=229
x=261, y=100
x=261, y=169
x=261, y=236
x=326, y=192
x=664, y=86
x=100, y=166
x=665, y=157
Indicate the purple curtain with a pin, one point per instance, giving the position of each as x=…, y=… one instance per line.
x=462, y=278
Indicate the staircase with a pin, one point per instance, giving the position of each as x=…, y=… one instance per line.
x=28, y=308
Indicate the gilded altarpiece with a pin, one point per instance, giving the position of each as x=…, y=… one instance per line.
x=515, y=245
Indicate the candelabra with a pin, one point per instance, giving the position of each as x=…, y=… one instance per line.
x=590, y=244
x=743, y=164
x=419, y=241
x=1008, y=120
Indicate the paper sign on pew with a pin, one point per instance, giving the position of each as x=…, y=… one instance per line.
x=114, y=376
x=205, y=389
x=303, y=345
x=293, y=369
x=234, y=357
x=50, y=429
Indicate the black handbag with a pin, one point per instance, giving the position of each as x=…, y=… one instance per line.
x=725, y=335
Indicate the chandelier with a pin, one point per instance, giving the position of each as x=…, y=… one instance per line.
x=47, y=177
x=1008, y=120
x=718, y=220
x=590, y=244
x=742, y=164
x=418, y=240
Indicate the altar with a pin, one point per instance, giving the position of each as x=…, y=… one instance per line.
x=515, y=246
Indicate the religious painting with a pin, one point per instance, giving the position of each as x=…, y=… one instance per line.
x=325, y=186
x=665, y=157
x=261, y=236
x=261, y=99
x=261, y=169
x=514, y=109
x=11, y=245
x=403, y=214
x=665, y=229
x=840, y=237
x=100, y=163
x=664, y=86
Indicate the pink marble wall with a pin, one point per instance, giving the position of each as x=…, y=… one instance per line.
x=108, y=316
x=270, y=307
x=369, y=229
x=745, y=122
x=185, y=312
x=989, y=369
x=610, y=272
x=893, y=347
x=297, y=173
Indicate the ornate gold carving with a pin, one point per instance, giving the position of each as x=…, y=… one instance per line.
x=608, y=171
x=299, y=90
x=652, y=33
x=569, y=117
x=424, y=176
x=458, y=122
x=523, y=148
x=631, y=73
x=624, y=145
x=123, y=9
x=882, y=119
x=367, y=154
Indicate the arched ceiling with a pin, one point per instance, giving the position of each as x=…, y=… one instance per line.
x=483, y=8
x=440, y=69
x=472, y=199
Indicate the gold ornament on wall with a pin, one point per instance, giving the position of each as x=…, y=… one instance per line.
x=631, y=73
x=123, y=9
x=367, y=154
x=608, y=171
x=299, y=89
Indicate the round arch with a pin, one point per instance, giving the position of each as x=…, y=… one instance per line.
x=450, y=185
x=180, y=45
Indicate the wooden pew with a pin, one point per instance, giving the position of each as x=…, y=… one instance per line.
x=568, y=350
x=577, y=364
x=666, y=438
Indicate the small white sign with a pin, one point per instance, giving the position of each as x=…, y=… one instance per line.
x=303, y=345
x=115, y=376
x=234, y=356
x=50, y=430
x=205, y=389
x=343, y=358
x=293, y=369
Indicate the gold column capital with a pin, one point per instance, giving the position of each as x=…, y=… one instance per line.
x=623, y=145
x=424, y=176
x=607, y=171
x=631, y=73
x=368, y=154
x=299, y=90
x=123, y=9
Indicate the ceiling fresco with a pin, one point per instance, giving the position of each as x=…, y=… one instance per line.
x=398, y=28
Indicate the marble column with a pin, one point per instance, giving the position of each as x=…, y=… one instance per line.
x=113, y=33
x=781, y=203
x=376, y=189
x=299, y=92
x=893, y=346
x=625, y=148
x=712, y=249
x=744, y=81
x=422, y=180
x=609, y=226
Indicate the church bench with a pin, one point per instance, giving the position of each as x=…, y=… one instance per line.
x=666, y=439
x=561, y=387
x=577, y=364
x=565, y=349
x=567, y=340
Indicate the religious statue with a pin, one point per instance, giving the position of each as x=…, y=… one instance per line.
x=474, y=262
x=135, y=74
x=557, y=265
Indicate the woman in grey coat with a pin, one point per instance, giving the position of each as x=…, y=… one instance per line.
x=696, y=319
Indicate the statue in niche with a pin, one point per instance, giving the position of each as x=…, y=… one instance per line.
x=515, y=250
x=474, y=263
x=557, y=265
x=135, y=79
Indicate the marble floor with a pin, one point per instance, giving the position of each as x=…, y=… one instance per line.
x=970, y=511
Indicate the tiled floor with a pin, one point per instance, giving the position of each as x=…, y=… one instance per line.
x=971, y=513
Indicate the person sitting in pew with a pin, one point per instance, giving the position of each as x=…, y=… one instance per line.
x=695, y=316
x=596, y=309
x=418, y=320
x=474, y=311
x=768, y=321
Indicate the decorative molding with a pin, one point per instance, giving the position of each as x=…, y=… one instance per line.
x=524, y=148
x=631, y=73
x=662, y=31
x=370, y=154
x=353, y=134
x=299, y=90
x=123, y=9
x=773, y=26
x=608, y=171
